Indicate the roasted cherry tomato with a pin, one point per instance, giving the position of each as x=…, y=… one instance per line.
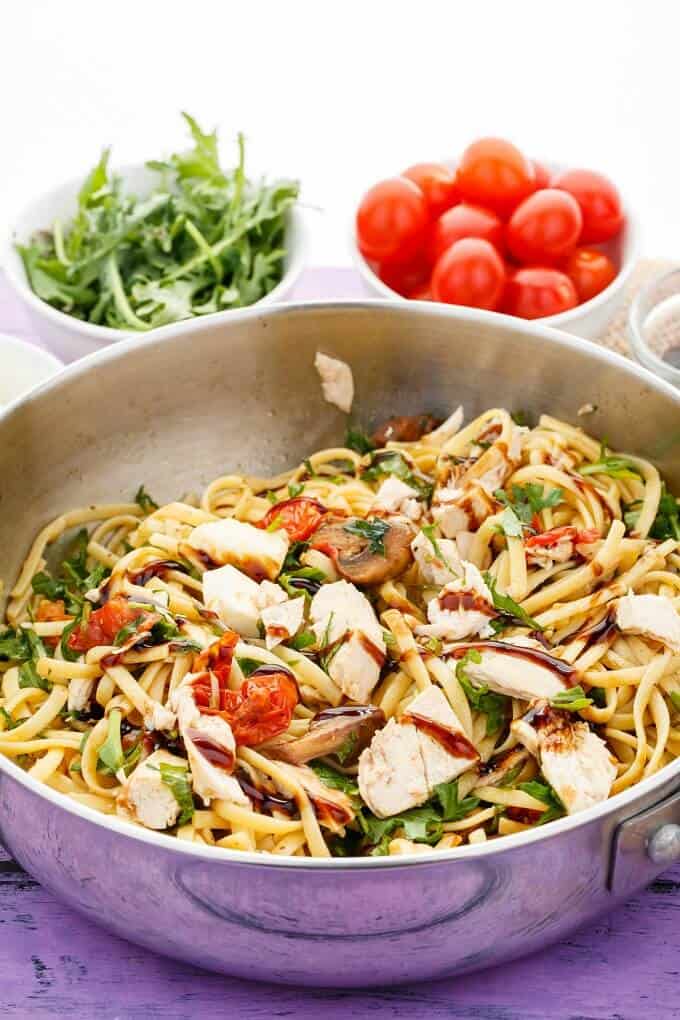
x=470, y=273
x=590, y=271
x=391, y=220
x=535, y=292
x=437, y=183
x=49, y=612
x=216, y=658
x=545, y=226
x=263, y=707
x=464, y=220
x=299, y=517
x=541, y=175
x=565, y=533
x=103, y=624
x=599, y=201
x=493, y=173
x=404, y=276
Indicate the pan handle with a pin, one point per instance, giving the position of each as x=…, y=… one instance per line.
x=645, y=845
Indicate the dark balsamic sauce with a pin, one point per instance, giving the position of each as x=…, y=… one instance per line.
x=536, y=655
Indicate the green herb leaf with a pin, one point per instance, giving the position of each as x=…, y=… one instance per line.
x=178, y=781
x=453, y=809
x=421, y=825
x=509, y=608
x=304, y=579
x=573, y=699
x=612, y=465
x=545, y=793
x=510, y=524
x=335, y=780
x=128, y=630
x=144, y=501
x=493, y=706
x=393, y=462
x=111, y=754
x=14, y=645
x=305, y=639
x=373, y=530
x=248, y=665
x=675, y=699
x=357, y=440
x=295, y=488
x=527, y=500
x=667, y=521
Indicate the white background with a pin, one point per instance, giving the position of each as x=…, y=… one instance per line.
x=341, y=94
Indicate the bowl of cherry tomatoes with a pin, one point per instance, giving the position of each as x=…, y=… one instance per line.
x=499, y=231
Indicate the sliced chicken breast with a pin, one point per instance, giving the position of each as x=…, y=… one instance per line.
x=652, y=616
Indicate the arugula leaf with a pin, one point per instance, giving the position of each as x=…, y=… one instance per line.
x=493, y=706
x=29, y=677
x=573, y=699
x=178, y=781
x=374, y=530
x=675, y=699
x=10, y=723
x=305, y=639
x=111, y=754
x=667, y=521
x=14, y=645
x=248, y=665
x=295, y=488
x=128, y=630
x=335, y=780
x=544, y=792
x=509, y=608
x=357, y=440
x=453, y=809
x=144, y=501
x=421, y=825
x=610, y=464
x=527, y=500
x=304, y=579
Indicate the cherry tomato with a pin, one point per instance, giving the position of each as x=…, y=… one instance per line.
x=535, y=292
x=545, y=226
x=494, y=173
x=471, y=273
x=541, y=175
x=404, y=276
x=437, y=183
x=263, y=707
x=391, y=220
x=215, y=660
x=464, y=221
x=47, y=613
x=422, y=293
x=590, y=271
x=103, y=624
x=299, y=517
x=599, y=201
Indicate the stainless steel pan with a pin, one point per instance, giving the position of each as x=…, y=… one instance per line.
x=174, y=410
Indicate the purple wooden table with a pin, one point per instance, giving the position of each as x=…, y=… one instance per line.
x=53, y=963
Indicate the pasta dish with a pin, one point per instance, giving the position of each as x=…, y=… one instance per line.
x=440, y=634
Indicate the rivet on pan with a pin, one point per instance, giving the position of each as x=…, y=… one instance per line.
x=664, y=846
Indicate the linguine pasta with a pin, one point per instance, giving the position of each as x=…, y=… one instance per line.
x=518, y=553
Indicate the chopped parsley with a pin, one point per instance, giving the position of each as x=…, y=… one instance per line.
x=510, y=524
x=492, y=705
x=667, y=521
x=357, y=440
x=305, y=639
x=573, y=700
x=393, y=462
x=373, y=530
x=527, y=500
x=144, y=501
x=509, y=609
x=248, y=665
x=295, y=488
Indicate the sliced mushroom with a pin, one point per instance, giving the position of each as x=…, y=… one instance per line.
x=354, y=555
x=350, y=727
x=405, y=428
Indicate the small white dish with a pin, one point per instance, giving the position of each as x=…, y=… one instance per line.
x=587, y=320
x=23, y=366
x=72, y=338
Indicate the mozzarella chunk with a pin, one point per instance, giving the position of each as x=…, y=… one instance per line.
x=403, y=763
x=437, y=567
x=146, y=798
x=341, y=615
x=283, y=620
x=234, y=597
x=450, y=616
x=337, y=382
x=256, y=552
x=516, y=675
x=79, y=694
x=210, y=747
x=396, y=497
x=573, y=759
x=653, y=616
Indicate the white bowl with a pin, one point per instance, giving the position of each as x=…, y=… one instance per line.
x=587, y=320
x=23, y=366
x=72, y=338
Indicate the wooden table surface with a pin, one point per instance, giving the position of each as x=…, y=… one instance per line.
x=55, y=964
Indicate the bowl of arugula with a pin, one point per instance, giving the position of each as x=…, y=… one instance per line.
x=151, y=244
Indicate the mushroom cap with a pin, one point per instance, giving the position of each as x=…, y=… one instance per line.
x=352, y=555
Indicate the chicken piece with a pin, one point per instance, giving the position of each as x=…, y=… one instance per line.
x=438, y=561
x=519, y=670
x=282, y=620
x=79, y=694
x=396, y=497
x=573, y=759
x=337, y=382
x=463, y=608
x=409, y=757
x=144, y=796
x=234, y=597
x=652, y=616
x=256, y=552
x=350, y=636
x=210, y=747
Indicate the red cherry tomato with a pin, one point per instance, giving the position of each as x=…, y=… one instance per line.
x=391, y=220
x=464, y=221
x=541, y=175
x=470, y=273
x=263, y=707
x=599, y=201
x=590, y=271
x=299, y=517
x=103, y=624
x=545, y=226
x=437, y=183
x=535, y=292
x=423, y=293
x=494, y=173
x=216, y=659
x=49, y=612
x=405, y=276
